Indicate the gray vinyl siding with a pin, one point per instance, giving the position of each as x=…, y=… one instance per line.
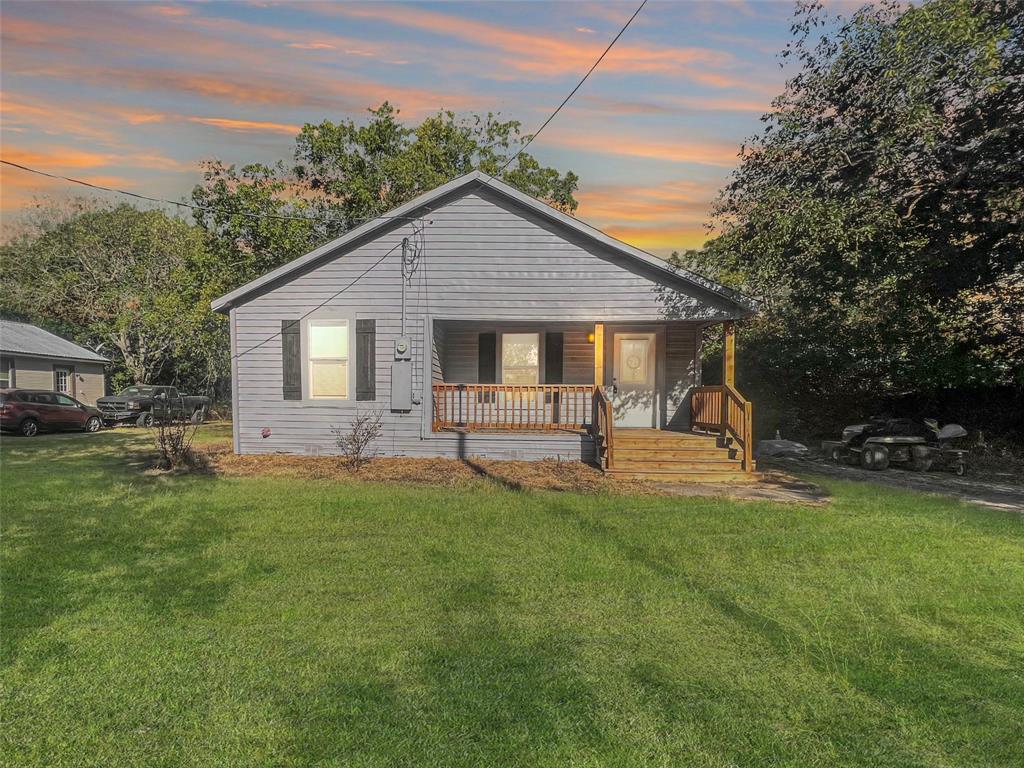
x=484, y=260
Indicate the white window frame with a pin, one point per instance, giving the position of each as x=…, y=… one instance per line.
x=540, y=354
x=69, y=374
x=348, y=359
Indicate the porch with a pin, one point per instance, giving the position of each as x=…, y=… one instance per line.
x=614, y=384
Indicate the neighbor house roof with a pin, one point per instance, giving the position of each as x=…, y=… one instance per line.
x=24, y=339
x=671, y=274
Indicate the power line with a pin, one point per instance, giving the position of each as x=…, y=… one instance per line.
x=286, y=217
x=193, y=206
x=326, y=301
x=365, y=272
x=573, y=91
x=502, y=170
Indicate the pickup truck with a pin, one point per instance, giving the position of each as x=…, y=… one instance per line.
x=142, y=404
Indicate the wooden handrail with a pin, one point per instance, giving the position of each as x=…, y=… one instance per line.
x=724, y=410
x=603, y=427
x=512, y=406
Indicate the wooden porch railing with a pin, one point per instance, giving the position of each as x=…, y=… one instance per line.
x=509, y=406
x=603, y=427
x=723, y=410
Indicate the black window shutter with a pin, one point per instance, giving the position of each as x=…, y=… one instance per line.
x=553, y=345
x=291, y=360
x=488, y=353
x=366, y=359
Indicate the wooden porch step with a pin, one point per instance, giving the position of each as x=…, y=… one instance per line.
x=674, y=453
x=687, y=476
x=665, y=440
x=694, y=465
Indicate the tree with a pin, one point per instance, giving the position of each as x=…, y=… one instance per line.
x=119, y=280
x=878, y=215
x=261, y=216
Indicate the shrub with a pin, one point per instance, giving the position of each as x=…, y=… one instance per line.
x=357, y=439
x=173, y=438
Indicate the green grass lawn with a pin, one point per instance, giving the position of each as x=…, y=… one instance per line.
x=210, y=621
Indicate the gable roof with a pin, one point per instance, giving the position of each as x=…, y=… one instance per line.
x=25, y=339
x=671, y=275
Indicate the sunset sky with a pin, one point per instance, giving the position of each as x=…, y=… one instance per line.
x=135, y=95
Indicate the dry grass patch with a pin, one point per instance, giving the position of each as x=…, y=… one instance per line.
x=547, y=475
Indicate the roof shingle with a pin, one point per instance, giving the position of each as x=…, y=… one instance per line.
x=24, y=339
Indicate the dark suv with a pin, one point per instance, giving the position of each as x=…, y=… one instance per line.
x=27, y=411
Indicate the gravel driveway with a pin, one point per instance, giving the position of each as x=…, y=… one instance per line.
x=997, y=493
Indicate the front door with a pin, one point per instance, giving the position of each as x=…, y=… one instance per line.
x=633, y=389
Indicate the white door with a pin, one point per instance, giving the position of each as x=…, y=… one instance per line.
x=633, y=389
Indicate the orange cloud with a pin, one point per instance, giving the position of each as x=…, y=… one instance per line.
x=60, y=158
x=247, y=126
x=656, y=104
x=57, y=159
x=19, y=190
x=676, y=201
x=717, y=154
x=169, y=10
x=660, y=239
x=540, y=54
x=313, y=46
x=62, y=119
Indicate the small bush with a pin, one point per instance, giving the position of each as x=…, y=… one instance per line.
x=173, y=438
x=356, y=440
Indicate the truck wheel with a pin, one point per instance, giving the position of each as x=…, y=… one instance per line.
x=837, y=455
x=874, y=457
x=145, y=420
x=29, y=428
x=199, y=416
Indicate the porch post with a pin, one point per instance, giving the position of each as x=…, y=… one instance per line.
x=729, y=353
x=598, y=354
x=728, y=374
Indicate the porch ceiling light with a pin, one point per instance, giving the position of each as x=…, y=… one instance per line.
x=590, y=338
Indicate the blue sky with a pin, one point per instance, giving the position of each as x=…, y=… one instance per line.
x=135, y=95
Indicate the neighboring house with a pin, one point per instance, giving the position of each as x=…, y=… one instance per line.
x=483, y=322
x=31, y=358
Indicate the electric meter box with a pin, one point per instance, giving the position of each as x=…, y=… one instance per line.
x=403, y=348
x=401, y=375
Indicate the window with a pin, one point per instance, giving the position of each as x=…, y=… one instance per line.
x=520, y=358
x=65, y=400
x=328, y=359
x=6, y=372
x=62, y=380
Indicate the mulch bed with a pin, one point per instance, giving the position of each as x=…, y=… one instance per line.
x=547, y=475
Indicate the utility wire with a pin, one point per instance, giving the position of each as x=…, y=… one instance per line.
x=500, y=171
x=193, y=206
x=326, y=301
x=572, y=93
x=286, y=217
x=365, y=272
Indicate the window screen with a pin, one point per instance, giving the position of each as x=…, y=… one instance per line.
x=328, y=358
x=520, y=358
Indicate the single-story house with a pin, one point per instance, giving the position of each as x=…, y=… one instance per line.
x=483, y=322
x=32, y=358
